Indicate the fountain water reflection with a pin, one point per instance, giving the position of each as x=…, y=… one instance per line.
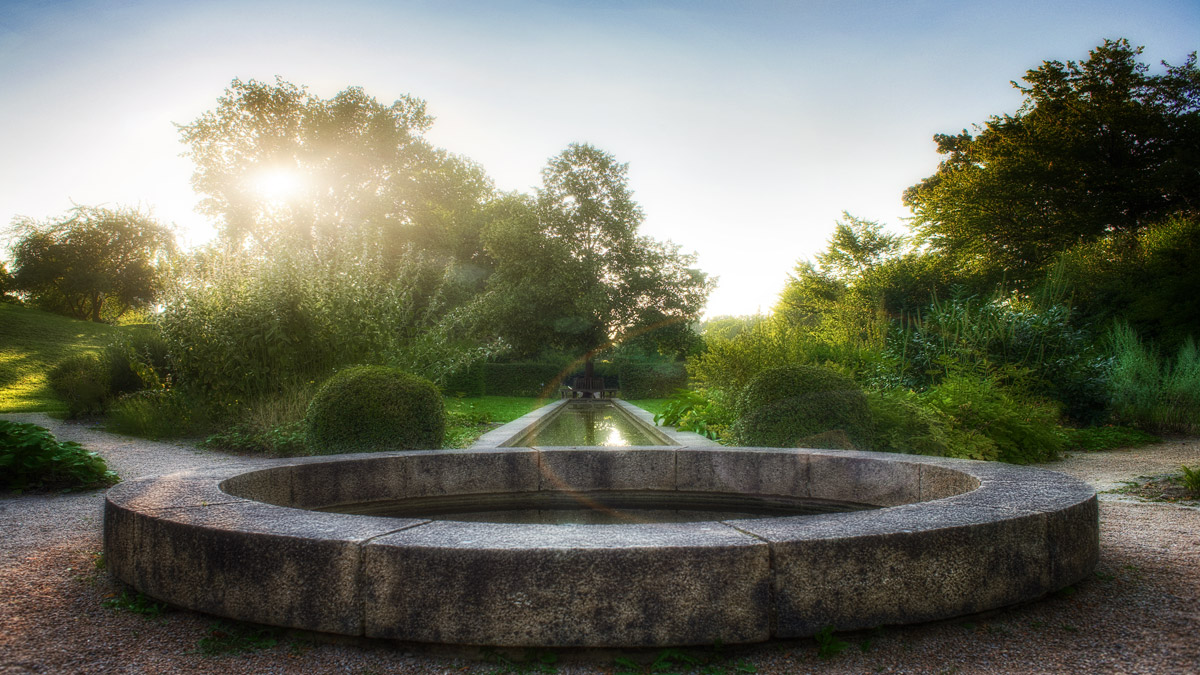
x=592, y=423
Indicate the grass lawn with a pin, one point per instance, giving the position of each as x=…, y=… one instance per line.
x=654, y=405
x=31, y=343
x=497, y=408
x=470, y=418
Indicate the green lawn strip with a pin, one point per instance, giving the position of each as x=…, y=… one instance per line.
x=31, y=343
x=471, y=417
x=654, y=405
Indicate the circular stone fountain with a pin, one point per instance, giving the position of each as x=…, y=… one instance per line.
x=259, y=543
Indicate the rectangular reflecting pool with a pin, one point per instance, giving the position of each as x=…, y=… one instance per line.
x=590, y=423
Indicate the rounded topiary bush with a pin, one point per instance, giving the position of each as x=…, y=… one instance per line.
x=369, y=408
x=802, y=406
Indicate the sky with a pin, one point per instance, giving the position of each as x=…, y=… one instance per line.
x=749, y=126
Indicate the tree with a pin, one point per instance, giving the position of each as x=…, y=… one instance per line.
x=92, y=259
x=572, y=272
x=1097, y=146
x=6, y=281
x=280, y=166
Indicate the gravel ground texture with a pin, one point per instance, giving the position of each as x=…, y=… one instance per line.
x=1139, y=613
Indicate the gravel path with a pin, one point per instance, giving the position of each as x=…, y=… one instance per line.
x=1139, y=614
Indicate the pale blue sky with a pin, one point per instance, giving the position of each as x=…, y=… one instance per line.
x=748, y=126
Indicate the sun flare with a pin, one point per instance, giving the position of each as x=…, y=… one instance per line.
x=277, y=184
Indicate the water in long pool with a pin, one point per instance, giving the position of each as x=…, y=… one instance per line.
x=590, y=424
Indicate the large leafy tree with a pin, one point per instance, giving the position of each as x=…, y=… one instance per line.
x=279, y=166
x=93, y=259
x=1097, y=146
x=573, y=273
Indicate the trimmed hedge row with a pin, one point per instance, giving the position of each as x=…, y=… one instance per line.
x=651, y=380
x=636, y=380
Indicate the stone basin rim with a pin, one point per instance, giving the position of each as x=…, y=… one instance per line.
x=959, y=527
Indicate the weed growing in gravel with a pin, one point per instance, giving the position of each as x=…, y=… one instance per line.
x=1191, y=480
x=679, y=661
x=136, y=603
x=228, y=637
x=869, y=642
x=1170, y=488
x=829, y=646
x=534, y=662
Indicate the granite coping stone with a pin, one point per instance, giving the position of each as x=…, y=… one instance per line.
x=233, y=541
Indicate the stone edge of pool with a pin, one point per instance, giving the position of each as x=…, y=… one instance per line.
x=954, y=537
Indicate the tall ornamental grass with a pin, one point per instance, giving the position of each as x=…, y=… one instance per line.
x=1151, y=391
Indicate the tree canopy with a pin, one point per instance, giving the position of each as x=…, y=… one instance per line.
x=1097, y=146
x=573, y=273
x=91, y=258
x=279, y=165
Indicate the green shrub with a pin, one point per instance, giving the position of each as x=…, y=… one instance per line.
x=368, y=408
x=158, y=413
x=651, y=379
x=523, y=379
x=903, y=423
x=1151, y=392
x=240, y=328
x=466, y=381
x=287, y=439
x=272, y=424
x=82, y=381
x=1108, y=438
x=791, y=406
x=1033, y=343
x=986, y=422
x=137, y=361
x=1147, y=278
x=729, y=364
x=30, y=457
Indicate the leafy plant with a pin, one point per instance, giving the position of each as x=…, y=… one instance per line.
x=1030, y=343
x=986, y=422
x=1191, y=480
x=905, y=423
x=828, y=645
x=695, y=411
x=30, y=457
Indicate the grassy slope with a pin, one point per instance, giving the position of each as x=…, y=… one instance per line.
x=31, y=343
